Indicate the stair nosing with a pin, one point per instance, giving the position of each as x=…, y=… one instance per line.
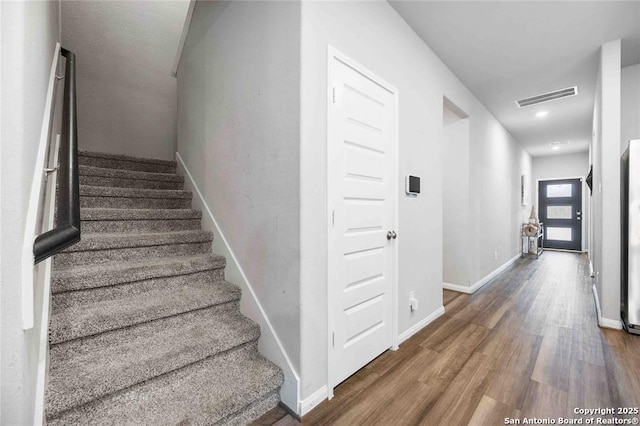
x=126, y=192
x=162, y=177
x=119, y=241
x=179, y=214
x=127, y=158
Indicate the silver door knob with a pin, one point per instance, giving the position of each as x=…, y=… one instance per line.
x=392, y=234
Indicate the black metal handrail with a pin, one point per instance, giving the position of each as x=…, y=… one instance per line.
x=67, y=231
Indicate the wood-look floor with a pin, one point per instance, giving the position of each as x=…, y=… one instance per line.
x=525, y=345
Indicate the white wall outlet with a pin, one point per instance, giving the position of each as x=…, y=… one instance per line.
x=413, y=302
x=495, y=255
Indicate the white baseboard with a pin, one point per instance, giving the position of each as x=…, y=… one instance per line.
x=475, y=287
x=269, y=344
x=457, y=287
x=591, y=271
x=421, y=324
x=604, y=322
x=314, y=399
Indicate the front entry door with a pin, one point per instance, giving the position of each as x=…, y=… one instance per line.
x=560, y=207
x=361, y=146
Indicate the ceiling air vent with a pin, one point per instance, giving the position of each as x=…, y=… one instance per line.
x=546, y=97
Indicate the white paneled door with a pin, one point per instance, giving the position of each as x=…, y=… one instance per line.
x=362, y=204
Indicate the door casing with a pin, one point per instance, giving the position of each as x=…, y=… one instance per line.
x=332, y=55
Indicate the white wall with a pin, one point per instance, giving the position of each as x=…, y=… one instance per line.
x=239, y=136
x=126, y=95
x=374, y=35
x=455, y=198
x=605, y=155
x=29, y=34
x=564, y=166
x=630, y=105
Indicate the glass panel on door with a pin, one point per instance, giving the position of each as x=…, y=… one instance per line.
x=555, y=191
x=558, y=234
x=559, y=212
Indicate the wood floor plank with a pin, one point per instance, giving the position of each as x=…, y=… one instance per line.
x=554, y=358
x=493, y=313
x=383, y=392
x=449, y=296
x=410, y=406
x=526, y=344
x=446, y=366
x=502, y=334
x=516, y=362
x=273, y=417
x=287, y=421
x=544, y=401
x=441, y=337
x=491, y=412
x=588, y=385
x=458, y=403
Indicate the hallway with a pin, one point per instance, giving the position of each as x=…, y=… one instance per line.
x=525, y=345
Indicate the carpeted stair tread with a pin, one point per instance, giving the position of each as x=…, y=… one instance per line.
x=83, y=370
x=99, y=176
x=115, y=161
x=203, y=393
x=103, y=275
x=133, y=198
x=168, y=285
x=129, y=174
x=88, y=214
x=93, y=242
x=91, y=318
x=96, y=220
x=114, y=192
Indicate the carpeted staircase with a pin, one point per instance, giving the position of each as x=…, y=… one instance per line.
x=144, y=329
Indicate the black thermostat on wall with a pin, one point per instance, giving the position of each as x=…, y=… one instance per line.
x=413, y=185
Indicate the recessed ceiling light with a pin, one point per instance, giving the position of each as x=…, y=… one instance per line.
x=556, y=145
x=541, y=114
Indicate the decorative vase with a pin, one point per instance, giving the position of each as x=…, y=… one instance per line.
x=534, y=217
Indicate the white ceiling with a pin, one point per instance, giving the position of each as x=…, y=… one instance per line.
x=508, y=50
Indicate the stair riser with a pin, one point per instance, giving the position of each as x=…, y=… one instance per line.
x=95, y=257
x=129, y=183
x=63, y=329
x=125, y=226
x=244, y=332
x=134, y=203
x=109, y=163
x=75, y=298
